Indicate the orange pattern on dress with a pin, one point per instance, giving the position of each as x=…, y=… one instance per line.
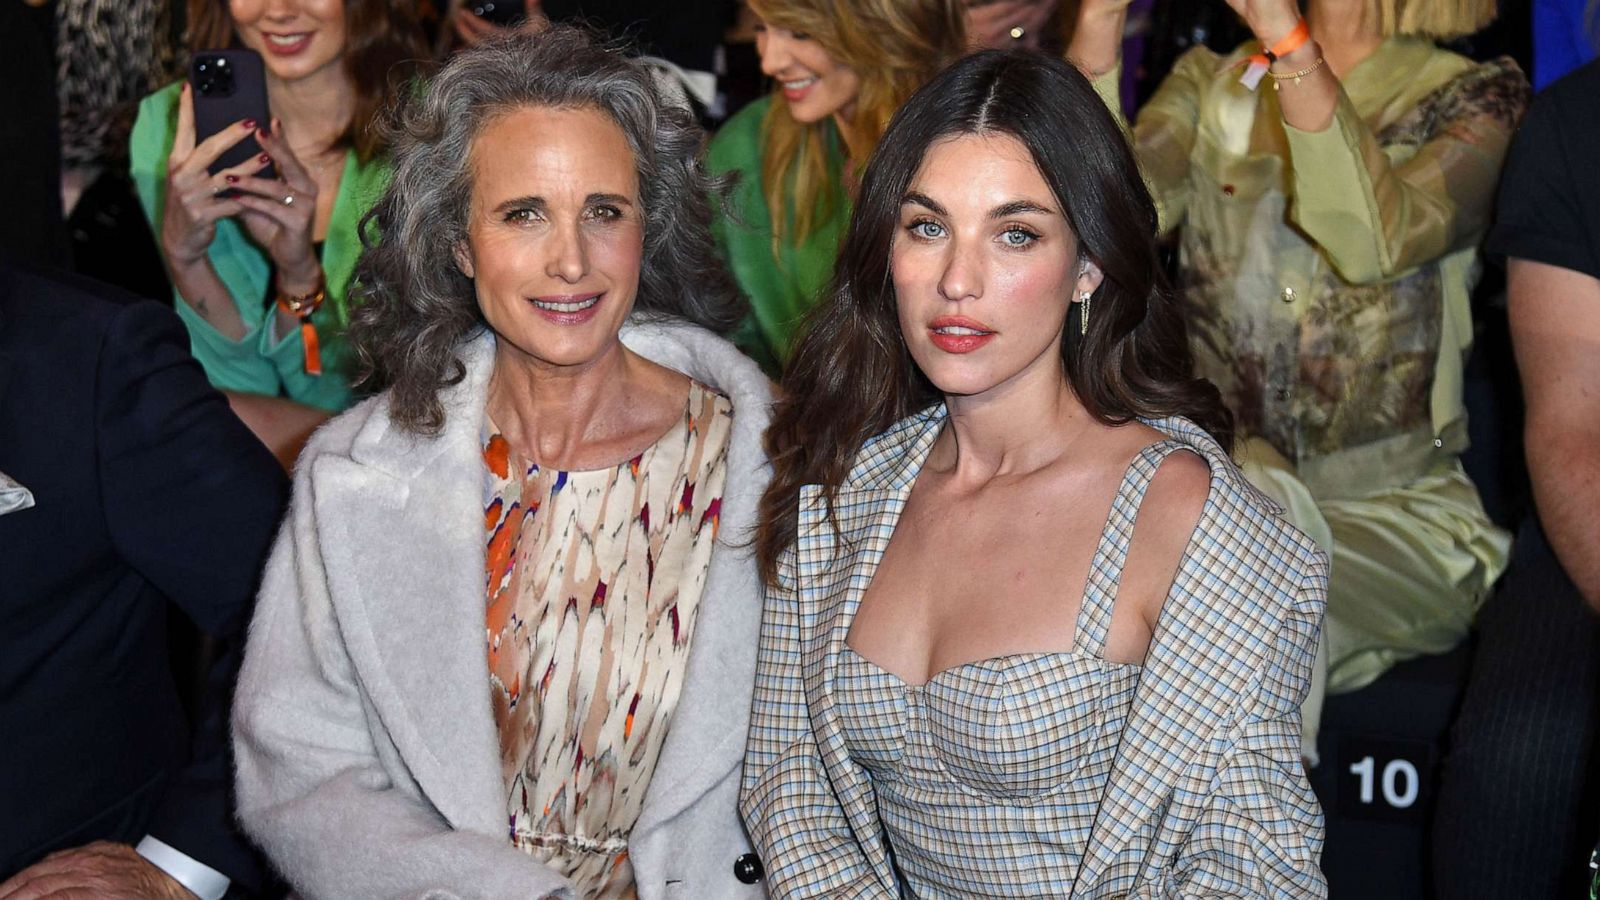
x=591, y=604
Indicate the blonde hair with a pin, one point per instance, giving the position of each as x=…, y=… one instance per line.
x=894, y=46
x=1438, y=19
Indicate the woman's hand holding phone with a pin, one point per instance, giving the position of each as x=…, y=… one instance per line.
x=196, y=199
x=281, y=215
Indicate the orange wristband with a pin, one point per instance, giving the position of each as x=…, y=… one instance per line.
x=1294, y=40
x=302, y=307
x=1256, y=65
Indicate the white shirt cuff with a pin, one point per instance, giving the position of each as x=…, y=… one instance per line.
x=201, y=880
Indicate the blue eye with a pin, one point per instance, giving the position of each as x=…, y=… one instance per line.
x=1018, y=237
x=926, y=229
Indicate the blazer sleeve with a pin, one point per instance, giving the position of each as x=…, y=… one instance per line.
x=1261, y=831
x=789, y=804
x=312, y=791
x=190, y=499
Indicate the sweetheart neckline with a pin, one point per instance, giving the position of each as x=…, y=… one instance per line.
x=1003, y=657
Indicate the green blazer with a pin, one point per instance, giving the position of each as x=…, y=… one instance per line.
x=260, y=362
x=782, y=282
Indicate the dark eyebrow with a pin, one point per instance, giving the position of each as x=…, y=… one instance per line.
x=925, y=201
x=613, y=199
x=1015, y=207
x=1019, y=207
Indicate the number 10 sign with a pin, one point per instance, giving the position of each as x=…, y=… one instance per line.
x=1387, y=780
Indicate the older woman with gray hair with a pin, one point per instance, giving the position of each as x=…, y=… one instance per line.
x=506, y=642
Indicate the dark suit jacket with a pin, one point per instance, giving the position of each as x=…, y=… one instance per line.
x=147, y=490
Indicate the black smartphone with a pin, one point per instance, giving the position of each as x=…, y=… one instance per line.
x=500, y=12
x=229, y=85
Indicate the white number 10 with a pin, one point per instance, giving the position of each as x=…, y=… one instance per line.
x=1393, y=773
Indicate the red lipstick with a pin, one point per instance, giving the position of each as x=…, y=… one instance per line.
x=958, y=334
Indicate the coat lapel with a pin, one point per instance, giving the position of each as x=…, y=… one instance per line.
x=706, y=739
x=411, y=603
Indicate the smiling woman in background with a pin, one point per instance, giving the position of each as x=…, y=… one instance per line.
x=240, y=264
x=502, y=647
x=841, y=68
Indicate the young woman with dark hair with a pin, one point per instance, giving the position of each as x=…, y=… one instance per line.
x=1028, y=630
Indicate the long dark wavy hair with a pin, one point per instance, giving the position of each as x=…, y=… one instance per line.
x=852, y=377
x=414, y=306
x=385, y=52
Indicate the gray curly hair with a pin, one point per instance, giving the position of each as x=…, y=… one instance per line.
x=414, y=306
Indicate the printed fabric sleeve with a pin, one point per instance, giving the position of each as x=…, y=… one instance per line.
x=1163, y=133
x=788, y=802
x=1374, y=218
x=311, y=790
x=1261, y=831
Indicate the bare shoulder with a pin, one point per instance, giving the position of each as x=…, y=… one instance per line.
x=1179, y=488
x=1166, y=521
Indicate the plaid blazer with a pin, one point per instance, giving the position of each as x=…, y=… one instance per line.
x=1207, y=795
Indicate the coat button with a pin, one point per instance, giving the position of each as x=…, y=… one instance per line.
x=1288, y=295
x=747, y=869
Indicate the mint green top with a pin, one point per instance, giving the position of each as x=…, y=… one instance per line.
x=261, y=363
x=783, y=283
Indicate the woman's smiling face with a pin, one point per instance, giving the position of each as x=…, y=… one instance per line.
x=985, y=265
x=296, y=38
x=813, y=84
x=555, y=232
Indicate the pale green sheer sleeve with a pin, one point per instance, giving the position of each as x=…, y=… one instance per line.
x=1374, y=218
x=1163, y=133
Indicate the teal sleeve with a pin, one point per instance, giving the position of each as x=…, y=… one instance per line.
x=229, y=365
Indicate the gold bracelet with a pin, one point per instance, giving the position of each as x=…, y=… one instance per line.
x=1278, y=79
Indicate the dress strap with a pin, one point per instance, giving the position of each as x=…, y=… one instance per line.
x=1105, y=572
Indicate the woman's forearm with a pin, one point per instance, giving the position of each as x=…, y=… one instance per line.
x=1096, y=46
x=199, y=285
x=1308, y=100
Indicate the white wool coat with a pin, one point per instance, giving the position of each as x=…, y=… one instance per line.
x=368, y=758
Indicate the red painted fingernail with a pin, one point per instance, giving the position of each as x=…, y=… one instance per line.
x=249, y=124
x=263, y=133
x=264, y=159
x=233, y=179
